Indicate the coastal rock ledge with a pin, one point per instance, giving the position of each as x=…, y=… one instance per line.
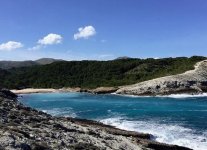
x=190, y=82
x=24, y=128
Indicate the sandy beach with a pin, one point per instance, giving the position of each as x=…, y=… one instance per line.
x=31, y=90
x=99, y=90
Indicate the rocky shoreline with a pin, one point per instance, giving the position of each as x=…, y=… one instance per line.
x=191, y=82
x=25, y=128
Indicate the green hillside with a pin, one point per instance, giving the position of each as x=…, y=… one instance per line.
x=28, y=63
x=91, y=74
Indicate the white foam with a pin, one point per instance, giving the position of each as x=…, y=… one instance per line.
x=127, y=95
x=66, y=112
x=185, y=95
x=171, y=134
x=170, y=96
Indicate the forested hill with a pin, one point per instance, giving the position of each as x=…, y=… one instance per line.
x=91, y=74
x=28, y=63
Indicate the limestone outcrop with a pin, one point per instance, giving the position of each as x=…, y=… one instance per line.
x=191, y=82
x=103, y=90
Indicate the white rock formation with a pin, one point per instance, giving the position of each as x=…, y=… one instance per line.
x=191, y=82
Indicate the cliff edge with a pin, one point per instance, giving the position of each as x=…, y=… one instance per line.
x=190, y=82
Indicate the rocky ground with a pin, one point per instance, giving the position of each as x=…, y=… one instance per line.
x=28, y=129
x=191, y=82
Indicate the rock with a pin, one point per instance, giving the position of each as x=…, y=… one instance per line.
x=76, y=89
x=190, y=82
x=24, y=128
x=83, y=90
x=7, y=94
x=103, y=90
x=40, y=146
x=99, y=90
x=25, y=146
x=203, y=140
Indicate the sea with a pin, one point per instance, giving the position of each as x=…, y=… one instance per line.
x=174, y=119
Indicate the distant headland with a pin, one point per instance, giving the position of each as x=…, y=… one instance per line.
x=131, y=76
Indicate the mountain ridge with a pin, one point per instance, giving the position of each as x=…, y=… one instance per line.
x=6, y=64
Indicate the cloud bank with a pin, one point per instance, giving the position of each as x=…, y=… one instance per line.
x=85, y=32
x=10, y=45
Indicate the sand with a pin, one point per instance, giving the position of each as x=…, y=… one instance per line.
x=31, y=90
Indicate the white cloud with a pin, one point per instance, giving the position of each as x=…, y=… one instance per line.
x=10, y=45
x=50, y=39
x=85, y=32
x=35, y=47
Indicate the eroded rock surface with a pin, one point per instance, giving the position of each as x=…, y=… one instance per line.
x=191, y=82
x=103, y=90
x=28, y=129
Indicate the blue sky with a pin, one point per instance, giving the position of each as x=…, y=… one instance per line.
x=102, y=29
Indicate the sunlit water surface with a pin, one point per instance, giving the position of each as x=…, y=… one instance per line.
x=178, y=119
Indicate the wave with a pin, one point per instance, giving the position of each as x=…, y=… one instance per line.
x=166, y=133
x=170, y=96
x=127, y=95
x=66, y=112
x=185, y=95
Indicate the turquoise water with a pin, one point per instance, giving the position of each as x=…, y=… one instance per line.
x=177, y=120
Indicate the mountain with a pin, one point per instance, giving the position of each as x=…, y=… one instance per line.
x=123, y=57
x=29, y=63
x=93, y=74
x=45, y=61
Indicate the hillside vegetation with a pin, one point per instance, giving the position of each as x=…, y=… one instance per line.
x=28, y=63
x=91, y=74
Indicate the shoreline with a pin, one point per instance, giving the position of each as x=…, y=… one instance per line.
x=191, y=82
x=112, y=92
x=99, y=90
x=33, y=90
x=79, y=129
x=124, y=123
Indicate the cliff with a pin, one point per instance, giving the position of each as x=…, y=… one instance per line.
x=192, y=82
x=25, y=128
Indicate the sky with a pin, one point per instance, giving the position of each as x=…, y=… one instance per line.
x=102, y=29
